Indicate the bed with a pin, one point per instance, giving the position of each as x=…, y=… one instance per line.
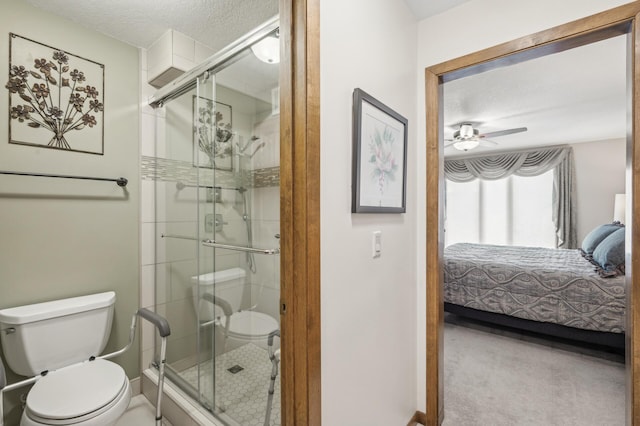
x=551, y=291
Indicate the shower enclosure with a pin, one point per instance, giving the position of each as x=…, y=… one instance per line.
x=218, y=225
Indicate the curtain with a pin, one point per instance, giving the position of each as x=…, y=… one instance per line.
x=528, y=163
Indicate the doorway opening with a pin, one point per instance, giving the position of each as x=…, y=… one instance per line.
x=618, y=21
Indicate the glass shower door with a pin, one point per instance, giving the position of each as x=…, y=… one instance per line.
x=205, y=143
x=241, y=227
x=237, y=130
x=217, y=245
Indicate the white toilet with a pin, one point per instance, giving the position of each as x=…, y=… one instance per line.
x=244, y=326
x=59, y=338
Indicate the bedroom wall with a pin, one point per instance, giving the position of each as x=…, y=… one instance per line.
x=368, y=305
x=598, y=181
x=455, y=33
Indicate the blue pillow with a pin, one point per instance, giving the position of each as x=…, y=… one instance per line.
x=596, y=236
x=609, y=255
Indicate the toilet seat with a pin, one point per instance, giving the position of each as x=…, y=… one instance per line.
x=250, y=325
x=90, y=393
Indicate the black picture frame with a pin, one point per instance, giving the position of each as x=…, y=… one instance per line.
x=379, y=179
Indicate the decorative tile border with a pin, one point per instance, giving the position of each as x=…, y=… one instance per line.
x=262, y=178
x=162, y=169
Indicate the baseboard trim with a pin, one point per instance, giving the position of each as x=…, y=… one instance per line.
x=419, y=418
x=135, y=386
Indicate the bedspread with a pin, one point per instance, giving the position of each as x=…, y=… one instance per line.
x=540, y=284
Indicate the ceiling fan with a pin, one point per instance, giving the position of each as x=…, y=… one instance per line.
x=467, y=137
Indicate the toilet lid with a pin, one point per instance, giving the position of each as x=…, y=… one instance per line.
x=76, y=390
x=250, y=324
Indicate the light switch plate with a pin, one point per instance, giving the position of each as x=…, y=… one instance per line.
x=377, y=244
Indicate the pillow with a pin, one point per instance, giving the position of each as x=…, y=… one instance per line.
x=609, y=255
x=596, y=236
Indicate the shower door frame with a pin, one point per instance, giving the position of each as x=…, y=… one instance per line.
x=300, y=211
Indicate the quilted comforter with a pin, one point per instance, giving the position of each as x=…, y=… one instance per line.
x=541, y=284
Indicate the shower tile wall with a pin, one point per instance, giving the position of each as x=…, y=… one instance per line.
x=266, y=216
x=168, y=264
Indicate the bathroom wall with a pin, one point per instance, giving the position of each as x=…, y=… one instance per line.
x=368, y=306
x=62, y=238
x=452, y=34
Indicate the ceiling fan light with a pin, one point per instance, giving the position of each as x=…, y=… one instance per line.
x=466, y=131
x=466, y=145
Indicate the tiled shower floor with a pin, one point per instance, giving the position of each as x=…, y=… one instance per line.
x=243, y=395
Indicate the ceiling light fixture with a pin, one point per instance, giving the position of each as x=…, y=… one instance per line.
x=465, y=132
x=466, y=137
x=267, y=49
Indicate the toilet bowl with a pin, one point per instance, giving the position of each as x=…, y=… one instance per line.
x=58, y=342
x=94, y=393
x=244, y=325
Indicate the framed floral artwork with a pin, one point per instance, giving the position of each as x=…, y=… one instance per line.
x=379, y=157
x=212, y=134
x=55, y=98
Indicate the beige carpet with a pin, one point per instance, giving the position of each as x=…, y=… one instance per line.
x=495, y=377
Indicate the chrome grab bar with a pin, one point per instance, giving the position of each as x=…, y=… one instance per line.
x=214, y=244
x=180, y=186
x=180, y=237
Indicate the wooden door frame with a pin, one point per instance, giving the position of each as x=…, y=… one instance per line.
x=623, y=19
x=300, y=211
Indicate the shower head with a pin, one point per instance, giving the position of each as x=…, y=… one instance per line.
x=241, y=189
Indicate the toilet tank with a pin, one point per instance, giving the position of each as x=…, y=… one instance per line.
x=47, y=336
x=227, y=284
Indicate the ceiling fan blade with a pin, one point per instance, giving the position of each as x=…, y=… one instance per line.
x=503, y=132
x=487, y=142
x=446, y=145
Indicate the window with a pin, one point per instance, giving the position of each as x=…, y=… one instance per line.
x=512, y=211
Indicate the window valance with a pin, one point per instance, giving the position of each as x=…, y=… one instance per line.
x=493, y=167
x=528, y=163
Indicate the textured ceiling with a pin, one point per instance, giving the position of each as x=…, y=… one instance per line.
x=425, y=8
x=570, y=97
x=215, y=23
